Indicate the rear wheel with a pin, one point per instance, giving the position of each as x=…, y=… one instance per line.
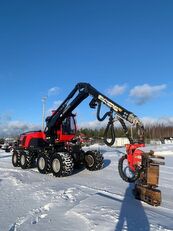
x=62, y=164
x=15, y=159
x=43, y=163
x=93, y=160
x=25, y=160
x=125, y=172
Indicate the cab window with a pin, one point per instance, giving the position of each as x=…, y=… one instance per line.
x=68, y=126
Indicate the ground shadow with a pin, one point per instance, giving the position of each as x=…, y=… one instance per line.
x=132, y=214
x=78, y=169
x=106, y=163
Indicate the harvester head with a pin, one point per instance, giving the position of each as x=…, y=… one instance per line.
x=146, y=186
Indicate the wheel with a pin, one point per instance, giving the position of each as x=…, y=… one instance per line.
x=61, y=164
x=43, y=163
x=15, y=159
x=25, y=160
x=93, y=160
x=125, y=172
x=78, y=158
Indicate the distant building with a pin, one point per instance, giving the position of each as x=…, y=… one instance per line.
x=120, y=141
x=8, y=144
x=167, y=140
x=156, y=142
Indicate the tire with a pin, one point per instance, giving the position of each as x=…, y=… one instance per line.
x=15, y=159
x=43, y=163
x=61, y=164
x=93, y=160
x=123, y=168
x=78, y=158
x=25, y=160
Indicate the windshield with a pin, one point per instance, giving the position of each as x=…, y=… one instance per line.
x=68, y=125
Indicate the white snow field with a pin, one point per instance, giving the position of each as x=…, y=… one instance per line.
x=84, y=201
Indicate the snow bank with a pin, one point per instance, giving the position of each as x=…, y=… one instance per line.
x=162, y=150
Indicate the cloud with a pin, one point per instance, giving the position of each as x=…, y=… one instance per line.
x=165, y=120
x=4, y=118
x=95, y=124
x=14, y=128
x=53, y=91
x=142, y=93
x=56, y=104
x=10, y=127
x=116, y=90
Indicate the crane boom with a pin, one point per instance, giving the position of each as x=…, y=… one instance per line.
x=80, y=92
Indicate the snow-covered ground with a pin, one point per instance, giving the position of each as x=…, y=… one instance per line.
x=86, y=201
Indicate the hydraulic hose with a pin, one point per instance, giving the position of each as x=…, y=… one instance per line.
x=109, y=127
x=125, y=130
x=98, y=113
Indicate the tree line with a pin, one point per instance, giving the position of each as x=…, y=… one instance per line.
x=152, y=132
x=157, y=131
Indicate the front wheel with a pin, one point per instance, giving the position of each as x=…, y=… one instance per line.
x=93, y=160
x=125, y=172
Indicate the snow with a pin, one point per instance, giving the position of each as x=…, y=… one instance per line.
x=86, y=201
x=165, y=150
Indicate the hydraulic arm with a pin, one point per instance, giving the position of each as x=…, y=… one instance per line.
x=80, y=93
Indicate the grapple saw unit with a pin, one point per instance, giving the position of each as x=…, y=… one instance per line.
x=57, y=150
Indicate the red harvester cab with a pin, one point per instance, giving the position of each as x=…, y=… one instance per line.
x=66, y=131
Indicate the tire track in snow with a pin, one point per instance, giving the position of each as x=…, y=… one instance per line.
x=82, y=209
x=104, y=192
x=57, y=198
x=120, y=197
x=34, y=216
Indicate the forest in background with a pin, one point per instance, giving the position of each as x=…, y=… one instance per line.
x=152, y=132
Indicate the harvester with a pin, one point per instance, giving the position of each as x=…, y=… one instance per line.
x=57, y=150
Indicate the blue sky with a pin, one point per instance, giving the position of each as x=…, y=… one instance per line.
x=123, y=48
